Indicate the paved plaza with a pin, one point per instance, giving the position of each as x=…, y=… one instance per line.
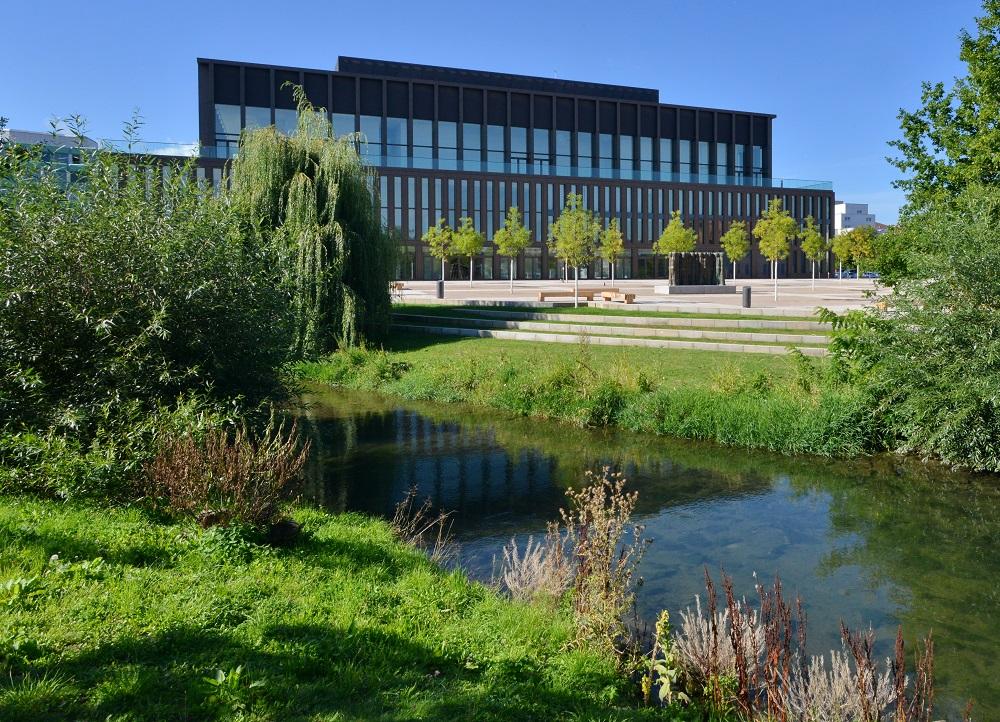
x=794, y=295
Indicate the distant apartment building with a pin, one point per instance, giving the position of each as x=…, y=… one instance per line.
x=848, y=216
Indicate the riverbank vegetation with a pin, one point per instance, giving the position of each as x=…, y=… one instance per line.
x=785, y=404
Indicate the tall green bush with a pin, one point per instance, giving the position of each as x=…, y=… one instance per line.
x=125, y=283
x=932, y=358
x=309, y=198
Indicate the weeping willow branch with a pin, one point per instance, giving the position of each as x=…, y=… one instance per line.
x=308, y=199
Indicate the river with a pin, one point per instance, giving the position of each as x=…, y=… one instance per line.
x=880, y=541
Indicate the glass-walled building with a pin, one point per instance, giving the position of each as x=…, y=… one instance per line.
x=451, y=143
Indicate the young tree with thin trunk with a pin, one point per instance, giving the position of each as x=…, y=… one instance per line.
x=736, y=243
x=512, y=239
x=439, y=239
x=863, y=246
x=842, y=246
x=612, y=245
x=467, y=241
x=676, y=237
x=572, y=237
x=774, y=232
x=813, y=245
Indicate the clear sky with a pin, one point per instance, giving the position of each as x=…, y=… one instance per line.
x=835, y=74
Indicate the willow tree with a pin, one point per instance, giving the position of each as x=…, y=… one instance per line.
x=309, y=200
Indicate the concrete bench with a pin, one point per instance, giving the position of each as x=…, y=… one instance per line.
x=615, y=296
x=587, y=294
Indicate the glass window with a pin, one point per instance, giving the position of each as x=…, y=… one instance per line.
x=666, y=156
x=646, y=157
x=286, y=120
x=585, y=152
x=397, y=202
x=452, y=204
x=625, y=152
x=423, y=143
x=437, y=199
x=495, y=147
x=721, y=160
x=464, y=199
x=396, y=137
x=227, y=122
x=447, y=144
x=564, y=153
x=684, y=149
x=519, y=150
x=489, y=210
x=543, y=157
x=411, y=207
x=739, y=162
x=758, y=165
x=472, y=144
x=383, y=191
x=703, y=161
x=261, y=117
x=371, y=129
x=606, y=157
x=343, y=123
x=424, y=208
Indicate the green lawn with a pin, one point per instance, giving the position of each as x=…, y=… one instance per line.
x=347, y=624
x=667, y=367
x=597, y=311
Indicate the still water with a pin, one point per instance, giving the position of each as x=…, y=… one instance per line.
x=878, y=542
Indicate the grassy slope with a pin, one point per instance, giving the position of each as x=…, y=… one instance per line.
x=668, y=367
x=744, y=400
x=348, y=624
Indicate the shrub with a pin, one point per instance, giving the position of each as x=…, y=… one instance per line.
x=229, y=476
x=127, y=283
x=541, y=572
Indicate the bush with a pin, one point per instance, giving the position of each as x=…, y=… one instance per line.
x=931, y=360
x=226, y=477
x=129, y=283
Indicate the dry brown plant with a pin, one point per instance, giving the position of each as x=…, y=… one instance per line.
x=229, y=475
x=541, y=572
x=422, y=527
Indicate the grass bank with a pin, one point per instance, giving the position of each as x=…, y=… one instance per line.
x=136, y=611
x=780, y=403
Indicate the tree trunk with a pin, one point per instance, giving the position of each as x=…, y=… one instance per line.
x=840, y=273
x=512, y=275
x=814, y=275
x=734, y=271
x=612, y=273
x=774, y=274
x=470, y=271
x=576, y=284
x=442, y=269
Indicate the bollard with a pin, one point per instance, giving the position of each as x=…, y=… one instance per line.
x=746, y=297
x=440, y=289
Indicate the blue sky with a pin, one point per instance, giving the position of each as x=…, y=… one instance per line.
x=835, y=74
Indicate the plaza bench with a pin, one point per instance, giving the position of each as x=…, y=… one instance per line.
x=615, y=296
x=585, y=293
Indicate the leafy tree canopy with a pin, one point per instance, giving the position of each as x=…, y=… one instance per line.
x=572, y=235
x=953, y=139
x=612, y=242
x=774, y=231
x=439, y=240
x=466, y=240
x=513, y=237
x=676, y=237
x=735, y=241
x=813, y=243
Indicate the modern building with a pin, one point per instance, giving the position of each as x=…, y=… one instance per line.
x=449, y=143
x=848, y=216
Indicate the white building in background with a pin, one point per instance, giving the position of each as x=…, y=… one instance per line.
x=847, y=216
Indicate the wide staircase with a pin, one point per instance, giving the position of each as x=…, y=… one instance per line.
x=709, y=332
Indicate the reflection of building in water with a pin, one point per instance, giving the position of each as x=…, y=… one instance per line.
x=368, y=462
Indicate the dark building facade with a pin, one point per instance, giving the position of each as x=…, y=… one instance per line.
x=450, y=143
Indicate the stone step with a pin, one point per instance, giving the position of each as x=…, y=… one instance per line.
x=645, y=321
x=609, y=330
x=602, y=340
